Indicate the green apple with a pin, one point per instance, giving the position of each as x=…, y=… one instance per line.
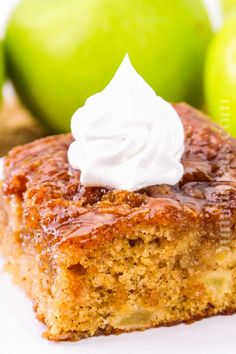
x=1, y=71
x=59, y=52
x=228, y=6
x=220, y=76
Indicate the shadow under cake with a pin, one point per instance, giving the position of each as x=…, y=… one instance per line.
x=98, y=261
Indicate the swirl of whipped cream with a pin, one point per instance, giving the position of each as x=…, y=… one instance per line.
x=126, y=137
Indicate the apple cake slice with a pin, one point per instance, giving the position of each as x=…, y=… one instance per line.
x=97, y=261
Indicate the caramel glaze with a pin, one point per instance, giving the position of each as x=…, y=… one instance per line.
x=59, y=209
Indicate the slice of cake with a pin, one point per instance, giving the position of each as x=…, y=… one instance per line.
x=98, y=261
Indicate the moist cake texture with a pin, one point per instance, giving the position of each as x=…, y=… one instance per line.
x=97, y=261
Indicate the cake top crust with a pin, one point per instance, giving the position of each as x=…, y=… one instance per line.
x=39, y=175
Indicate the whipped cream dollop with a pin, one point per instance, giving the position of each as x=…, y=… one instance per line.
x=127, y=137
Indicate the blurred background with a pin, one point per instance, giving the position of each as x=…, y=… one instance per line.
x=54, y=54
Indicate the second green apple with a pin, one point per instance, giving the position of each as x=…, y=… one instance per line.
x=220, y=76
x=59, y=52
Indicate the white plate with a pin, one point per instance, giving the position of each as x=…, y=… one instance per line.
x=20, y=333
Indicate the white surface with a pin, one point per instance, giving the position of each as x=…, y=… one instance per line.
x=20, y=333
x=6, y=7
